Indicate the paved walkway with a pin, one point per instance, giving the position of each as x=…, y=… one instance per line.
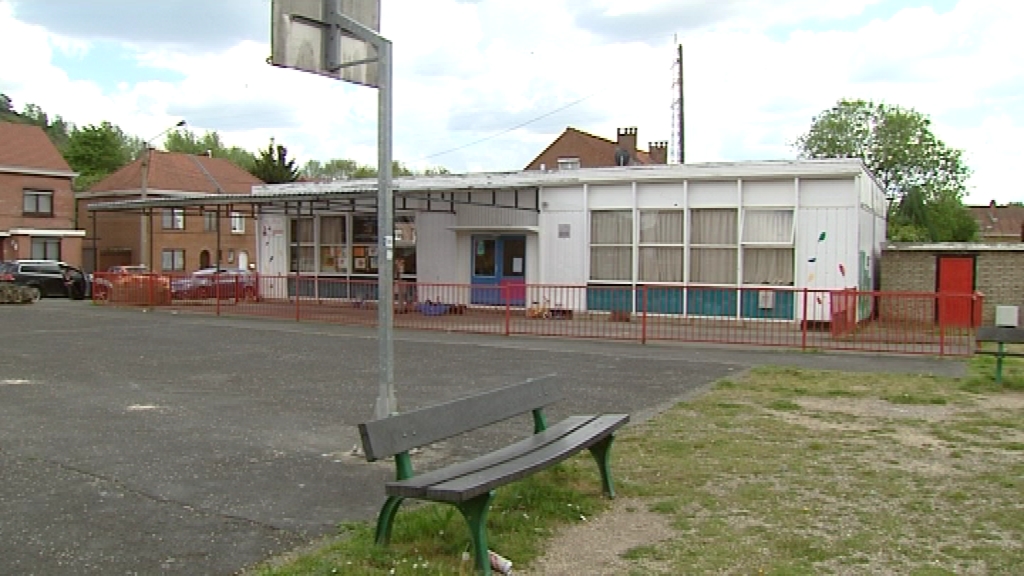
x=150, y=442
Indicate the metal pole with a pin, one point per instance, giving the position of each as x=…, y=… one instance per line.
x=682, y=112
x=386, y=402
x=144, y=225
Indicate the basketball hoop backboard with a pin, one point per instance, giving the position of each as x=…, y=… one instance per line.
x=301, y=39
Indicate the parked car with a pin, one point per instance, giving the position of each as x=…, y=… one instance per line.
x=46, y=278
x=223, y=283
x=103, y=284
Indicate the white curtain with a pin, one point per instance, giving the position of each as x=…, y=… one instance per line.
x=661, y=227
x=661, y=264
x=611, y=245
x=772, y=226
x=302, y=230
x=611, y=227
x=713, y=265
x=771, y=266
x=714, y=226
x=332, y=230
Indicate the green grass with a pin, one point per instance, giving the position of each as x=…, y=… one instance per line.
x=782, y=471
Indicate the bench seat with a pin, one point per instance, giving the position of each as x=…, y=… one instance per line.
x=466, y=480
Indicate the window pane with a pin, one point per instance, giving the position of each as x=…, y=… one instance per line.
x=209, y=221
x=46, y=248
x=772, y=266
x=714, y=226
x=611, y=227
x=661, y=264
x=483, y=257
x=28, y=203
x=364, y=228
x=513, y=257
x=408, y=256
x=775, y=226
x=303, y=259
x=332, y=230
x=237, y=223
x=333, y=259
x=611, y=263
x=713, y=265
x=661, y=227
x=302, y=230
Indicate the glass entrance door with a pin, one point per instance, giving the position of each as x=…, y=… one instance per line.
x=498, y=270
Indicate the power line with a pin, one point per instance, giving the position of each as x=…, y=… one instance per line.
x=507, y=130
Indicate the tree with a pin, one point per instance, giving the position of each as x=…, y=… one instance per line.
x=273, y=166
x=187, y=142
x=96, y=151
x=924, y=179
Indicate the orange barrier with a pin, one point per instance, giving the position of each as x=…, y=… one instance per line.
x=895, y=322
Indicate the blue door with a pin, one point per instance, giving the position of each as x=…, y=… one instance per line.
x=498, y=270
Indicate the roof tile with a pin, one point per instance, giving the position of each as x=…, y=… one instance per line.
x=27, y=146
x=181, y=172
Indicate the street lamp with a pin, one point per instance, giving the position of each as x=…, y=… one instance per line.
x=144, y=248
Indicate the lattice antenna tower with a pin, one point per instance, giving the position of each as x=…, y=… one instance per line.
x=677, y=144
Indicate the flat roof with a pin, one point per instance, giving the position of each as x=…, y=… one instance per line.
x=444, y=187
x=954, y=246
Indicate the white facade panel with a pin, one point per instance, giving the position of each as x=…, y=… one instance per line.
x=606, y=196
x=272, y=256
x=660, y=195
x=435, y=249
x=827, y=241
x=713, y=194
x=768, y=192
x=569, y=198
x=828, y=193
x=492, y=217
x=562, y=260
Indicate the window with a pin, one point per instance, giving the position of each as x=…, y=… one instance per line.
x=713, y=246
x=303, y=258
x=209, y=221
x=333, y=251
x=173, y=218
x=172, y=260
x=364, y=243
x=768, y=247
x=37, y=203
x=237, y=223
x=46, y=248
x=568, y=163
x=661, y=246
x=611, y=245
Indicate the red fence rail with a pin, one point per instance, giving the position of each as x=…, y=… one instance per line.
x=894, y=322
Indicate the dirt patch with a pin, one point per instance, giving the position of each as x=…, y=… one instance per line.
x=595, y=547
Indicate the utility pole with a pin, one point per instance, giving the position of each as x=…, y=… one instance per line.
x=682, y=112
x=144, y=231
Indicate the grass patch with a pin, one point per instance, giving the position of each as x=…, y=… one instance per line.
x=781, y=471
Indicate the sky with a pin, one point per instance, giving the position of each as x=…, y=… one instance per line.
x=486, y=85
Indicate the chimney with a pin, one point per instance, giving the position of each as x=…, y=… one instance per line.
x=658, y=152
x=627, y=140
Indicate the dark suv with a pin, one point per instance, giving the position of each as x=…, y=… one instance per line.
x=46, y=278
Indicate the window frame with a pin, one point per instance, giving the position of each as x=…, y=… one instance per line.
x=237, y=223
x=36, y=194
x=172, y=219
x=628, y=245
x=175, y=261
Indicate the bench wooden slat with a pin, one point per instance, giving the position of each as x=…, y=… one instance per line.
x=416, y=487
x=470, y=485
x=408, y=430
x=1000, y=334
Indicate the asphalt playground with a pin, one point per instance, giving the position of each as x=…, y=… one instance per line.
x=151, y=442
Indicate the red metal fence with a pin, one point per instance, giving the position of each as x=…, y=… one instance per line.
x=895, y=322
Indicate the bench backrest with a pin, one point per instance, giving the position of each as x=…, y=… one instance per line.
x=1000, y=334
x=402, y=432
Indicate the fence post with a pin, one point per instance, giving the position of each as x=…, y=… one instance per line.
x=803, y=331
x=297, y=278
x=942, y=325
x=508, y=309
x=643, y=318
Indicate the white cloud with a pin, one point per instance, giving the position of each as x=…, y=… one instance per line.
x=756, y=73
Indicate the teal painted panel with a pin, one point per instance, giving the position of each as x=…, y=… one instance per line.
x=711, y=302
x=608, y=298
x=661, y=299
x=783, y=304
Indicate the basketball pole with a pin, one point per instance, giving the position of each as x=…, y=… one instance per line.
x=387, y=404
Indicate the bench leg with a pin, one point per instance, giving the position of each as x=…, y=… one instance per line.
x=386, y=519
x=602, y=452
x=475, y=512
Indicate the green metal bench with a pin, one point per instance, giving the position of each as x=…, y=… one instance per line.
x=470, y=485
x=1002, y=336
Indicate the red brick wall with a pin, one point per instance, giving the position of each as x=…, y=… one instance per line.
x=12, y=187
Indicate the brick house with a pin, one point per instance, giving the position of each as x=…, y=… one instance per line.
x=182, y=240
x=999, y=223
x=578, y=149
x=37, y=204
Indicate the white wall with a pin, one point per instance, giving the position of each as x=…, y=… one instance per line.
x=272, y=256
x=830, y=206
x=436, y=247
x=562, y=261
